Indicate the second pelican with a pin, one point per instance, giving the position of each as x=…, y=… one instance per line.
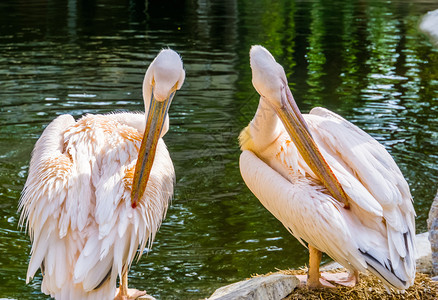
x=329, y=183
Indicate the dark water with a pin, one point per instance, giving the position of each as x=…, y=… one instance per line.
x=363, y=59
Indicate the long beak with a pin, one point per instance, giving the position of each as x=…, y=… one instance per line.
x=154, y=124
x=297, y=128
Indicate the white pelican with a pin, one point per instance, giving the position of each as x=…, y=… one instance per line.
x=87, y=213
x=329, y=183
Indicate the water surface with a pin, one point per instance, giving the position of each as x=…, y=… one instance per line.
x=365, y=60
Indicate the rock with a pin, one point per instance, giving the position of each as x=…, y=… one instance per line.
x=429, y=25
x=330, y=266
x=424, y=253
x=276, y=286
x=433, y=214
x=432, y=225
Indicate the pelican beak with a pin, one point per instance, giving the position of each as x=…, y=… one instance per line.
x=154, y=124
x=297, y=128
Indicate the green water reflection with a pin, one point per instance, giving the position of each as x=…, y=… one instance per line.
x=363, y=59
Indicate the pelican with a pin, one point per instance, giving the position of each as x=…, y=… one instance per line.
x=97, y=191
x=329, y=183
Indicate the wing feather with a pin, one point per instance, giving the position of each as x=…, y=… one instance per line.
x=366, y=158
x=43, y=193
x=350, y=150
x=308, y=212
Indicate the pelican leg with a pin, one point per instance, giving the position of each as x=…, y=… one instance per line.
x=123, y=293
x=313, y=274
x=314, y=279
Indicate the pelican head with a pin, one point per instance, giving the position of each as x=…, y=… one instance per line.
x=269, y=79
x=163, y=78
x=268, y=76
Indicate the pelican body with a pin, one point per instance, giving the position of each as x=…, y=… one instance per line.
x=331, y=184
x=97, y=191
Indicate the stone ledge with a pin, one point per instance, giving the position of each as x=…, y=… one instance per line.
x=276, y=286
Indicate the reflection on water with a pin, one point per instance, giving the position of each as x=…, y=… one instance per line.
x=365, y=60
